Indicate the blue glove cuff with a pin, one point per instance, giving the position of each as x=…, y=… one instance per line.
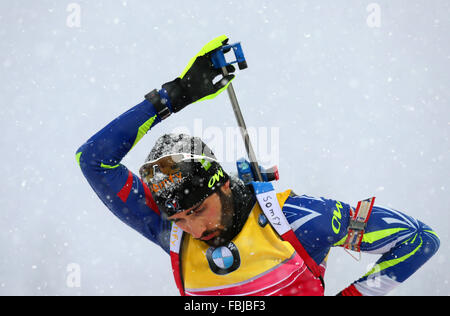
x=165, y=99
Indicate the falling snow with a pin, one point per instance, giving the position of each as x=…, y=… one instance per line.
x=362, y=111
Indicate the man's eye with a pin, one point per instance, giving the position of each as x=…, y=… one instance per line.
x=199, y=211
x=195, y=212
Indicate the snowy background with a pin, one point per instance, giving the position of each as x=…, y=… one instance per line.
x=361, y=106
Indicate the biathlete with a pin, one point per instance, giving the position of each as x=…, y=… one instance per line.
x=226, y=237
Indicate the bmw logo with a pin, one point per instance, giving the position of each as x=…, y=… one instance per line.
x=223, y=260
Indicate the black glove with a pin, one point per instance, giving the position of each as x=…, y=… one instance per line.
x=196, y=81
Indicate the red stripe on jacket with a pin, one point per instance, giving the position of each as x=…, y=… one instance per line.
x=125, y=191
x=149, y=199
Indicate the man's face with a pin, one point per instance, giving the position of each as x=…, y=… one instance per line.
x=208, y=220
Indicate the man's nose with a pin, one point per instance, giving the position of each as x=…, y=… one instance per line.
x=196, y=229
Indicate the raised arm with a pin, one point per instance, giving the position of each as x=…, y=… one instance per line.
x=123, y=192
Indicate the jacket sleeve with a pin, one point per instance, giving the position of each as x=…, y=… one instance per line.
x=123, y=192
x=403, y=243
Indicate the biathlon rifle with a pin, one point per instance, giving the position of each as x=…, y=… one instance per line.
x=250, y=170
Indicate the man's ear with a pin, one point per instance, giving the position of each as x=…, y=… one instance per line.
x=226, y=187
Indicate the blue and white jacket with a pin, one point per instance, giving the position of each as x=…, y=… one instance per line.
x=403, y=242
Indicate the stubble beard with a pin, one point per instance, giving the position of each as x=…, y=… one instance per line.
x=226, y=221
